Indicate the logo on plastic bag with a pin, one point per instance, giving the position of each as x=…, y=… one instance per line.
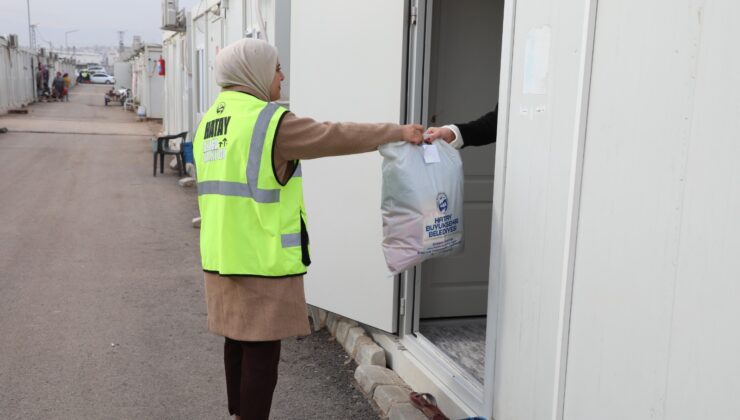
x=442, y=202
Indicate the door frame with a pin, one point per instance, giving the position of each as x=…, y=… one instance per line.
x=451, y=375
x=499, y=187
x=478, y=397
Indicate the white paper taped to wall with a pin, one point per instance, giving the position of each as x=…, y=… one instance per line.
x=536, y=61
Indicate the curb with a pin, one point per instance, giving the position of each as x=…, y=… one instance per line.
x=389, y=392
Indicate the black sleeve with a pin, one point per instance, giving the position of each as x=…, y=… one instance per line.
x=481, y=131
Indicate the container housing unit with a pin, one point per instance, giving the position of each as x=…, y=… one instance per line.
x=599, y=277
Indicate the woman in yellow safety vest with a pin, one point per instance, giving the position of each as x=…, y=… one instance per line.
x=254, y=240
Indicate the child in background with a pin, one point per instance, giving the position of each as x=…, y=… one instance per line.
x=67, y=82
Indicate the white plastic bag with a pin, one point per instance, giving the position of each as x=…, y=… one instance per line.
x=422, y=203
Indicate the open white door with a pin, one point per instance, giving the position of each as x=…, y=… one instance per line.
x=347, y=63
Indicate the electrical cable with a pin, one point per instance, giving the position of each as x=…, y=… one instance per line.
x=38, y=32
x=197, y=15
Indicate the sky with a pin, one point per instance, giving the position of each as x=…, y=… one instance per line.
x=95, y=22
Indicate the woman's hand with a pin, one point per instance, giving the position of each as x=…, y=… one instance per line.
x=412, y=133
x=434, y=133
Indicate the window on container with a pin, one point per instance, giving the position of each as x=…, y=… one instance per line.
x=200, y=76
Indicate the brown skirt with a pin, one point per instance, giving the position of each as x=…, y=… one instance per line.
x=256, y=309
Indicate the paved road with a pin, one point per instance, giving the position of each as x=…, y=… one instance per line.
x=102, y=314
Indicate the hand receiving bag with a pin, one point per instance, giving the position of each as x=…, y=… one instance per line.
x=422, y=203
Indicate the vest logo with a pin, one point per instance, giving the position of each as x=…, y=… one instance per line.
x=215, y=149
x=220, y=108
x=442, y=202
x=217, y=127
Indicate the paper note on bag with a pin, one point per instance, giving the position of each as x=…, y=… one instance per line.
x=431, y=154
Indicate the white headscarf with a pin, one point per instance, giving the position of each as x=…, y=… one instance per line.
x=247, y=62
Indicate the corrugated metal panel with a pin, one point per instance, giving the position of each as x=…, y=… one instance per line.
x=17, y=83
x=18, y=69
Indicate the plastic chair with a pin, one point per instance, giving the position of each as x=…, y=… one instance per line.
x=162, y=147
x=128, y=104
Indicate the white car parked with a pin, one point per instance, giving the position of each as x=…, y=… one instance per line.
x=102, y=78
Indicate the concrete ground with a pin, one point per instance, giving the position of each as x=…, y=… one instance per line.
x=102, y=313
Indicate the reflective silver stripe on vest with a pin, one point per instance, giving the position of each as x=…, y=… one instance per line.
x=298, y=173
x=224, y=188
x=291, y=239
x=255, y=156
x=250, y=189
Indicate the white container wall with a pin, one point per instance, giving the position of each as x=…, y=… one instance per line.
x=176, y=88
x=17, y=83
x=122, y=72
x=615, y=225
x=147, y=83
x=203, y=49
x=277, y=15
x=540, y=101
x=655, y=291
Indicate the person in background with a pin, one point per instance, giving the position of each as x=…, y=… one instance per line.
x=253, y=238
x=58, y=87
x=45, y=73
x=84, y=76
x=40, y=81
x=478, y=132
x=67, y=82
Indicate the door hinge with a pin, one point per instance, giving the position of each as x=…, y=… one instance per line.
x=413, y=15
x=402, y=307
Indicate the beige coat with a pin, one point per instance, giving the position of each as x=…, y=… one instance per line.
x=261, y=309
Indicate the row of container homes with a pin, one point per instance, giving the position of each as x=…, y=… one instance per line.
x=600, y=273
x=18, y=68
x=191, y=47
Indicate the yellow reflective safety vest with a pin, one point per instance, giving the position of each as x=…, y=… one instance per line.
x=251, y=224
